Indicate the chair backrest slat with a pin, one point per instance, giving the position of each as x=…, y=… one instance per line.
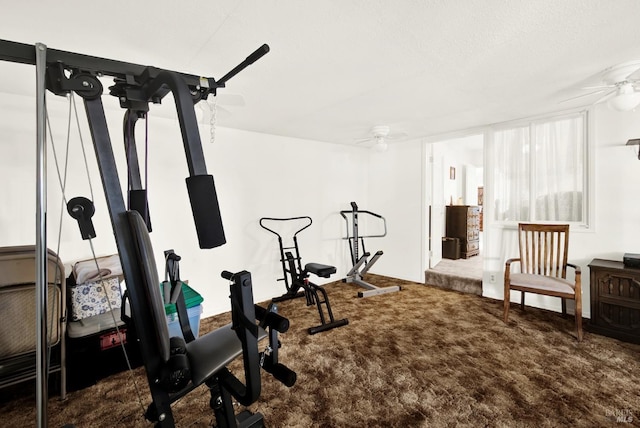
x=544, y=248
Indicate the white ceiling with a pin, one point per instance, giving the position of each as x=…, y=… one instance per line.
x=338, y=67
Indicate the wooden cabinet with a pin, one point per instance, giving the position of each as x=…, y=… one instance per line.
x=463, y=222
x=615, y=300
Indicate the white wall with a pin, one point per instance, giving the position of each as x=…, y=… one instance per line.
x=453, y=189
x=395, y=192
x=473, y=180
x=271, y=176
x=256, y=175
x=262, y=175
x=465, y=155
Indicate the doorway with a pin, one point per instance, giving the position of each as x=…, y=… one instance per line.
x=455, y=179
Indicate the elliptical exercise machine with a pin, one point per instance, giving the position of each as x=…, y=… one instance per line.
x=356, y=274
x=295, y=278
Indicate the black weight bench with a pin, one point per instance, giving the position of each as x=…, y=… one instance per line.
x=175, y=368
x=296, y=279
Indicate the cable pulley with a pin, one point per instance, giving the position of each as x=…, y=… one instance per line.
x=82, y=209
x=90, y=87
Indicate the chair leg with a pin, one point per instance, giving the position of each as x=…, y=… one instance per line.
x=564, y=307
x=578, y=312
x=522, y=300
x=506, y=297
x=506, y=307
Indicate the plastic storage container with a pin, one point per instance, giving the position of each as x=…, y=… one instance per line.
x=193, y=301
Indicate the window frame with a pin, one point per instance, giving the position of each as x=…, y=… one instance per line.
x=588, y=167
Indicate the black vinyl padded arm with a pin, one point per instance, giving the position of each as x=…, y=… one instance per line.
x=200, y=185
x=206, y=212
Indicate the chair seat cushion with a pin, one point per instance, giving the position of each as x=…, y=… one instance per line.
x=542, y=284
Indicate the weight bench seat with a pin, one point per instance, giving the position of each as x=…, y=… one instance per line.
x=207, y=354
x=323, y=271
x=214, y=351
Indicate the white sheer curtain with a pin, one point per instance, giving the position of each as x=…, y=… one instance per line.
x=511, y=174
x=539, y=170
x=559, y=169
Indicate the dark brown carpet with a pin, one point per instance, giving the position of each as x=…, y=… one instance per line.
x=421, y=357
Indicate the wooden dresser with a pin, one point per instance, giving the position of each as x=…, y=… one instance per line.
x=463, y=222
x=615, y=300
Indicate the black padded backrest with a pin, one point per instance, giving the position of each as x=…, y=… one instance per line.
x=151, y=282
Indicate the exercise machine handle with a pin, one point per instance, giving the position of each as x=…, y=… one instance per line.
x=384, y=223
x=256, y=55
x=263, y=219
x=345, y=212
x=227, y=275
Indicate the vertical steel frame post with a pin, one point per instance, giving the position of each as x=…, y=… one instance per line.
x=42, y=363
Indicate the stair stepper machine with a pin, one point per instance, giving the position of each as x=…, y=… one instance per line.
x=356, y=274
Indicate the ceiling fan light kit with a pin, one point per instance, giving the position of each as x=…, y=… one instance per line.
x=621, y=87
x=379, y=134
x=380, y=146
x=626, y=98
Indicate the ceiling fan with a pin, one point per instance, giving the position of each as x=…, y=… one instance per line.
x=208, y=109
x=620, y=88
x=379, y=136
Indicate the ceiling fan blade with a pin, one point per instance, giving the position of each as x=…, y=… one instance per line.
x=598, y=87
x=204, y=111
x=582, y=95
x=605, y=96
x=363, y=140
x=397, y=136
x=635, y=75
x=235, y=100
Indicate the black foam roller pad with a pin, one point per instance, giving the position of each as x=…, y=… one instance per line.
x=281, y=372
x=206, y=212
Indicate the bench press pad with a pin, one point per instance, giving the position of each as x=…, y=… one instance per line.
x=211, y=352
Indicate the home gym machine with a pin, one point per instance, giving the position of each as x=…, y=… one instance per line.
x=172, y=369
x=361, y=264
x=296, y=278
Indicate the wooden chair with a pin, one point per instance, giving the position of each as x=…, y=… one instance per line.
x=543, y=268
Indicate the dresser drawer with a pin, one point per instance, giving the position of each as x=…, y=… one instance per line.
x=471, y=246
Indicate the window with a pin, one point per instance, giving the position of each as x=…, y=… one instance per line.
x=540, y=170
